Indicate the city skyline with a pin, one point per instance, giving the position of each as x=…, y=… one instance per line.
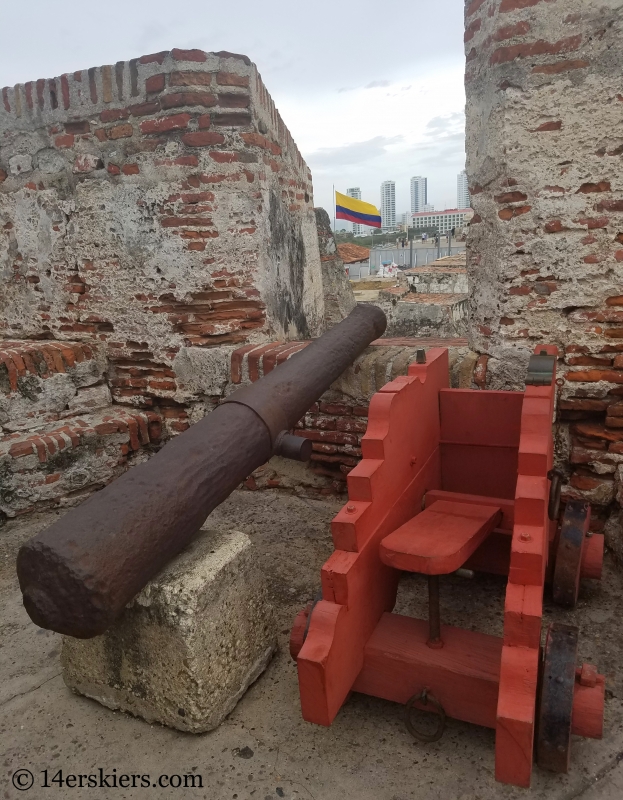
x=418, y=192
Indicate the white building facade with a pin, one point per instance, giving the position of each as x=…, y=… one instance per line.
x=419, y=194
x=463, y=199
x=443, y=221
x=388, y=205
x=355, y=193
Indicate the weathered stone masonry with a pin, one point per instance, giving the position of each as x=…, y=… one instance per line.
x=154, y=216
x=61, y=437
x=155, y=205
x=545, y=250
x=158, y=246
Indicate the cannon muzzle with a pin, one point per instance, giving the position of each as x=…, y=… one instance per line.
x=78, y=574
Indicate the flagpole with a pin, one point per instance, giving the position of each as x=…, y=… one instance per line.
x=334, y=210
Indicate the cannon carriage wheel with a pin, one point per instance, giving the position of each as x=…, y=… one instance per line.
x=555, y=698
x=569, y=552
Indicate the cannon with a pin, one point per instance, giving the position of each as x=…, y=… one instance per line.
x=78, y=574
x=452, y=479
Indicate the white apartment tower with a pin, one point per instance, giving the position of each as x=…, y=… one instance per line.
x=388, y=205
x=419, y=194
x=355, y=192
x=462, y=191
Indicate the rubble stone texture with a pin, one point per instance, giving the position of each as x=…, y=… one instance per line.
x=154, y=205
x=339, y=299
x=60, y=435
x=545, y=248
x=189, y=645
x=154, y=216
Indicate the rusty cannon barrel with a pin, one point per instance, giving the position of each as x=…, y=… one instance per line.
x=77, y=576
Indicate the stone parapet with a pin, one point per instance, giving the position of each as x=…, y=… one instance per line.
x=438, y=280
x=543, y=158
x=60, y=463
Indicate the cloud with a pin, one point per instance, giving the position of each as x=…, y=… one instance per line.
x=354, y=153
x=371, y=85
x=447, y=125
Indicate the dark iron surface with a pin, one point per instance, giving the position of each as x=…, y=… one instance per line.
x=282, y=397
x=553, y=745
x=423, y=699
x=566, y=580
x=541, y=369
x=553, y=507
x=77, y=576
x=294, y=447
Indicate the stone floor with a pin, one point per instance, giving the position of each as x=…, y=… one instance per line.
x=264, y=749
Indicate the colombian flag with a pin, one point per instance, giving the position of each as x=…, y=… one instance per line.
x=356, y=211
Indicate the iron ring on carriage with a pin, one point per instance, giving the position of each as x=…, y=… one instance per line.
x=425, y=698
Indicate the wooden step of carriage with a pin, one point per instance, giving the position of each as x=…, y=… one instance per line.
x=441, y=538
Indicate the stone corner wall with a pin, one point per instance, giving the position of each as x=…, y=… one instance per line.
x=545, y=247
x=155, y=215
x=339, y=299
x=159, y=201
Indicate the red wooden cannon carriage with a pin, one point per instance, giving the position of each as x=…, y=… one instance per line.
x=454, y=478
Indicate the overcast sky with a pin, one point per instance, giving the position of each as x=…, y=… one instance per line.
x=369, y=91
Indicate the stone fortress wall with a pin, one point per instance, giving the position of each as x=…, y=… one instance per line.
x=156, y=205
x=545, y=249
x=155, y=215
x=158, y=245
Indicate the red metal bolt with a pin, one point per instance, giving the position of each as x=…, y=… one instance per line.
x=525, y=537
x=350, y=508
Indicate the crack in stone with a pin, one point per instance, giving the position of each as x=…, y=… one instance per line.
x=28, y=691
x=599, y=775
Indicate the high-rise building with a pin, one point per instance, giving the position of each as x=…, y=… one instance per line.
x=355, y=192
x=419, y=193
x=462, y=191
x=388, y=205
x=428, y=207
